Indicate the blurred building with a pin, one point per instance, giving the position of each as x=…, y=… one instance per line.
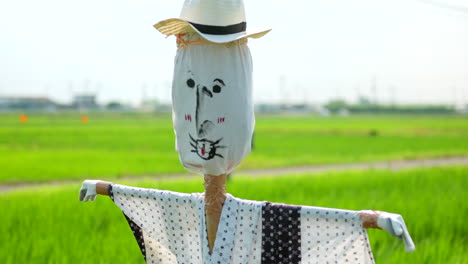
x=27, y=103
x=149, y=106
x=287, y=108
x=85, y=102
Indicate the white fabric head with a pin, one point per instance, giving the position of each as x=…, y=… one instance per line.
x=212, y=106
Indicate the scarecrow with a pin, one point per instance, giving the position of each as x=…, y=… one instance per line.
x=213, y=120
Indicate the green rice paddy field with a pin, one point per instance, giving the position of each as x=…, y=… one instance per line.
x=50, y=226
x=58, y=146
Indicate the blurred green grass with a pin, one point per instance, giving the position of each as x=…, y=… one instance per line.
x=49, y=225
x=57, y=146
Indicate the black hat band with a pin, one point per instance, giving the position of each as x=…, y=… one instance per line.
x=220, y=30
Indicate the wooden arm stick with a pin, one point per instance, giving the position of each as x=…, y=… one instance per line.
x=215, y=195
x=369, y=218
x=102, y=188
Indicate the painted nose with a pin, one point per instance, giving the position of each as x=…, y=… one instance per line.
x=205, y=126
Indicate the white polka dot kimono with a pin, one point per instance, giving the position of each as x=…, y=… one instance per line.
x=170, y=228
x=212, y=106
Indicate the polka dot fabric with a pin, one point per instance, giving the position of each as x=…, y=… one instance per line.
x=330, y=236
x=243, y=241
x=170, y=228
x=281, y=234
x=174, y=230
x=169, y=222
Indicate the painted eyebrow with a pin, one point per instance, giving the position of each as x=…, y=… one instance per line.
x=220, y=81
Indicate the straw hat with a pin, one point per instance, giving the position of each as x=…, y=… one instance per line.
x=218, y=21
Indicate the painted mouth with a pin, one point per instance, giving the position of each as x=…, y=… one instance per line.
x=205, y=148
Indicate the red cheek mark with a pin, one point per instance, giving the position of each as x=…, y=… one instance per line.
x=188, y=118
x=220, y=119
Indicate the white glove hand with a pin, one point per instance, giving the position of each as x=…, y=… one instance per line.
x=88, y=190
x=395, y=225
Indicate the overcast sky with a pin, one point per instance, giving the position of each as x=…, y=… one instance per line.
x=412, y=51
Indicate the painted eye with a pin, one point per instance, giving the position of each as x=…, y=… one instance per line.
x=190, y=83
x=216, y=89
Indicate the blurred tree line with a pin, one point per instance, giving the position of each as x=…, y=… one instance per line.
x=364, y=106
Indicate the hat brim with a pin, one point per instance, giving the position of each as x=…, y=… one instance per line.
x=174, y=26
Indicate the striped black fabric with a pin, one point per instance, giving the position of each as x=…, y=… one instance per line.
x=281, y=234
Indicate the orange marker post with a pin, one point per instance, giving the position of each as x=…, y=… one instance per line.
x=84, y=119
x=23, y=118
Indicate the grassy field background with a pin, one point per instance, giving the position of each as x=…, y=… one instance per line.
x=58, y=146
x=50, y=226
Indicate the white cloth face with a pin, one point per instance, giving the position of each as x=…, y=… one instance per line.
x=213, y=112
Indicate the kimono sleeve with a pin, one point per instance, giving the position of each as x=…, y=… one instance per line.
x=165, y=224
x=333, y=236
